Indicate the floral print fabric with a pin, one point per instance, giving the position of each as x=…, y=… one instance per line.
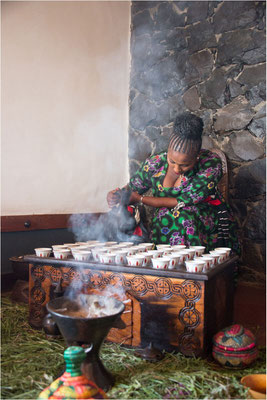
x=194, y=221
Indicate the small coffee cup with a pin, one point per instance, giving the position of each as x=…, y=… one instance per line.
x=61, y=254
x=167, y=251
x=209, y=262
x=191, y=253
x=120, y=258
x=194, y=266
x=82, y=255
x=215, y=259
x=199, y=250
x=149, y=246
x=174, y=260
x=184, y=256
x=147, y=258
x=155, y=253
x=107, y=258
x=161, y=262
x=43, y=251
x=135, y=260
x=178, y=247
x=226, y=249
x=222, y=255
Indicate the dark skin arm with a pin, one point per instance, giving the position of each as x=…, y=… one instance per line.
x=151, y=201
x=169, y=202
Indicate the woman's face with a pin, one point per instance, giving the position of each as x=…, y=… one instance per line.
x=179, y=163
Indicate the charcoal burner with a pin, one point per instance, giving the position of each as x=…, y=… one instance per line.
x=87, y=332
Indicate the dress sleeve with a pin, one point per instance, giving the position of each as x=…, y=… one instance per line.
x=141, y=181
x=204, y=183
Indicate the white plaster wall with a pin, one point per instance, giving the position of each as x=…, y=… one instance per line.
x=65, y=73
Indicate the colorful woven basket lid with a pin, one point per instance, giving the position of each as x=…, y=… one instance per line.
x=234, y=338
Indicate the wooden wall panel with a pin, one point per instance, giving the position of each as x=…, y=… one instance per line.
x=20, y=223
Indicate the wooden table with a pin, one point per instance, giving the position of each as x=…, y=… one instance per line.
x=174, y=309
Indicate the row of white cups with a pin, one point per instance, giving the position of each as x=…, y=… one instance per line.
x=140, y=255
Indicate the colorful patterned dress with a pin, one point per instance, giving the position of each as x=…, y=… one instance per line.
x=201, y=216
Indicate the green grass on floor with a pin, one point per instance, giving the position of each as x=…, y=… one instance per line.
x=30, y=363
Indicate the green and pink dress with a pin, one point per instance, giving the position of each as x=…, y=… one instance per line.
x=201, y=217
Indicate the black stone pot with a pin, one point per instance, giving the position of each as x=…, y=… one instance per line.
x=87, y=331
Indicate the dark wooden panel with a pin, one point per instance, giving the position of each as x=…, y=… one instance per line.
x=176, y=305
x=17, y=223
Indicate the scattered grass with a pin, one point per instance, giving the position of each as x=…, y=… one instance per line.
x=30, y=363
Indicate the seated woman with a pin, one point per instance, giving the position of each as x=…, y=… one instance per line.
x=189, y=209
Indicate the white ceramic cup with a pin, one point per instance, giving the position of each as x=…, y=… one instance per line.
x=120, y=258
x=131, y=251
x=81, y=247
x=70, y=245
x=191, y=253
x=141, y=247
x=43, y=251
x=97, y=251
x=184, y=256
x=122, y=245
x=59, y=247
x=78, y=248
x=107, y=244
x=226, y=249
x=167, y=251
x=99, y=244
x=149, y=246
x=155, y=253
x=135, y=260
x=174, y=260
x=199, y=250
x=92, y=241
x=107, y=258
x=147, y=258
x=178, y=247
x=90, y=246
x=222, y=255
x=215, y=259
x=209, y=262
x=163, y=246
x=194, y=266
x=137, y=249
x=161, y=262
x=178, y=255
x=82, y=255
x=62, y=254
x=128, y=243
x=113, y=248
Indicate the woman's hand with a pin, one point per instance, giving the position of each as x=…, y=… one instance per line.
x=135, y=198
x=113, y=197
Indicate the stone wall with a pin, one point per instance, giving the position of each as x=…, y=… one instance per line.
x=207, y=57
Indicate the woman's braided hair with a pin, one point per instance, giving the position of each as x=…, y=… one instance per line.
x=187, y=134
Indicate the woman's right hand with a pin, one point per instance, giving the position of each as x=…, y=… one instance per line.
x=113, y=197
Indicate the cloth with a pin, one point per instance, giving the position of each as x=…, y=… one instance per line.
x=201, y=217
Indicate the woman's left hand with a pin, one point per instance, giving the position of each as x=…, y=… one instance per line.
x=113, y=197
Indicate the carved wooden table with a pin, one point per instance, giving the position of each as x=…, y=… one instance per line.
x=174, y=309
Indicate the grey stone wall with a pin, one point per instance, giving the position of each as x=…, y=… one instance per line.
x=207, y=57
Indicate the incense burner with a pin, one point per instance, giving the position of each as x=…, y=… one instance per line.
x=79, y=326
